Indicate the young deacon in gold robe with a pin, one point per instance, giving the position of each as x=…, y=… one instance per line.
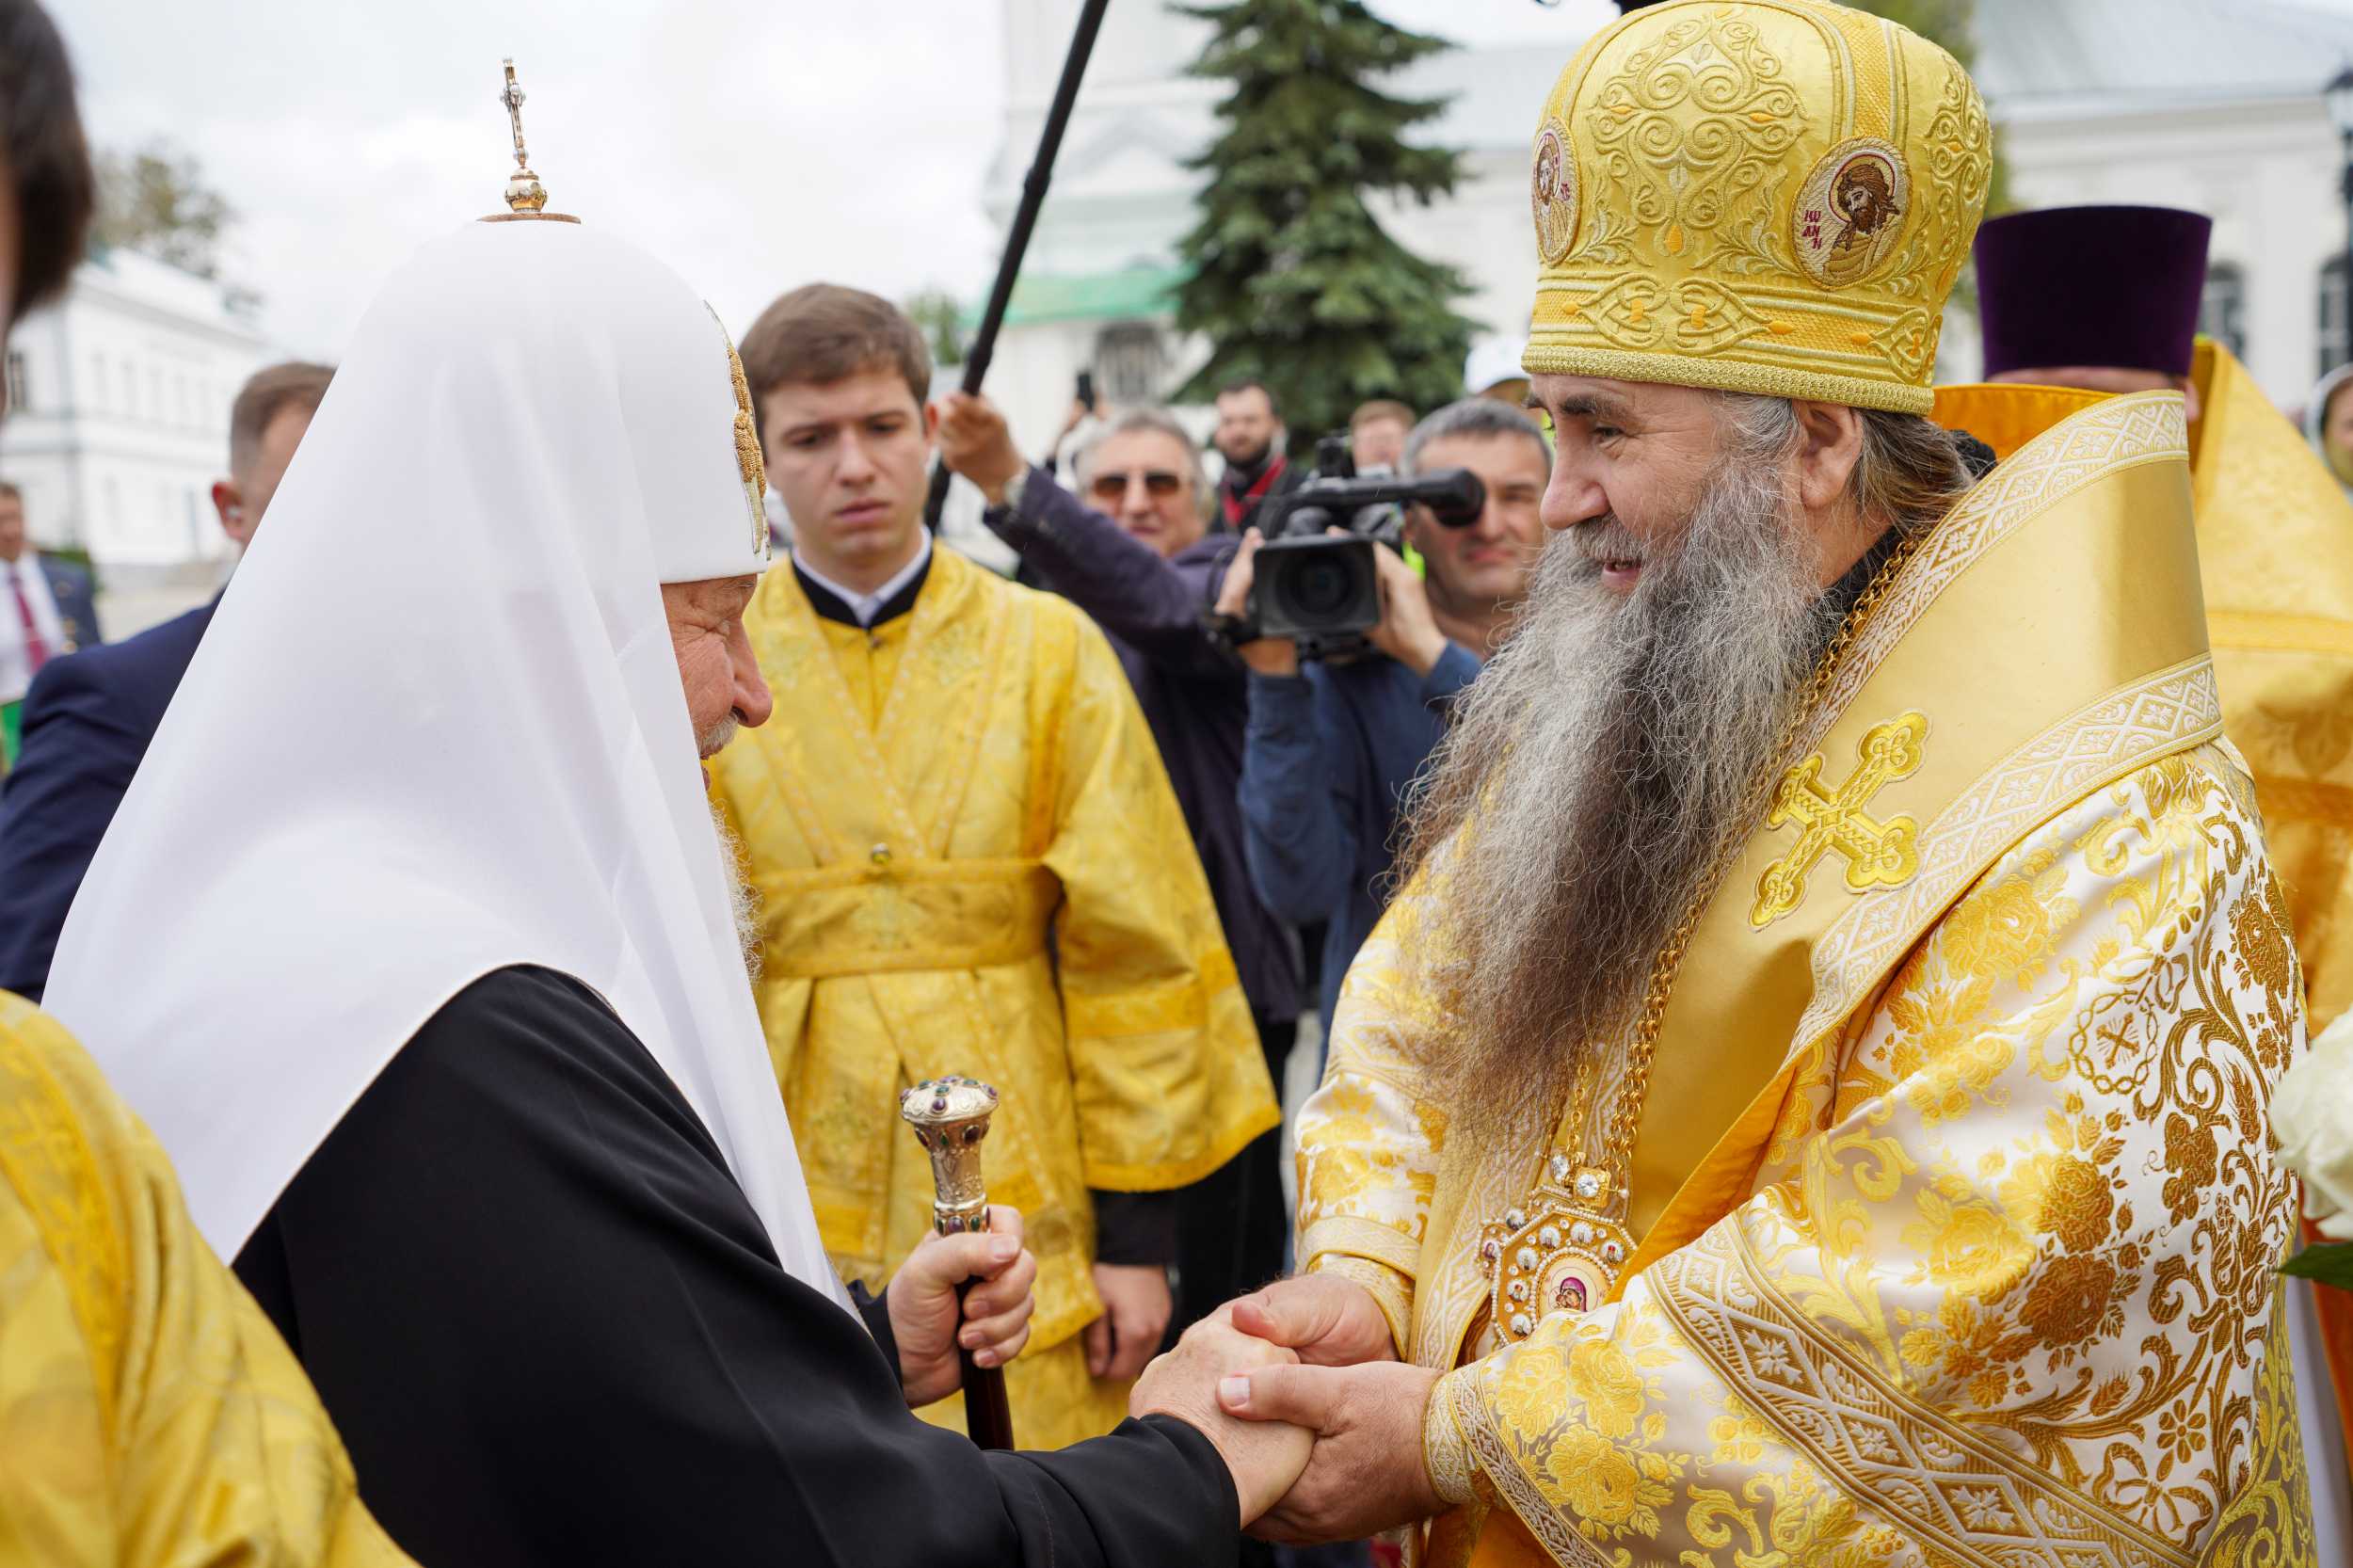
x=1810, y=1105
x=2107, y=298
x=969, y=858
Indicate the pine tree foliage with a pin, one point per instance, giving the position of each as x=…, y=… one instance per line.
x=1289, y=273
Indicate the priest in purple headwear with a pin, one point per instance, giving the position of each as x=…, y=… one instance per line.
x=2105, y=299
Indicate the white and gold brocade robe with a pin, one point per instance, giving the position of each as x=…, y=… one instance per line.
x=969, y=860
x=1956, y=1221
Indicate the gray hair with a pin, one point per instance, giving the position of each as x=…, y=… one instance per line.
x=1158, y=422
x=1908, y=475
x=1481, y=418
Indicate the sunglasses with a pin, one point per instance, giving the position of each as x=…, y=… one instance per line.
x=1157, y=483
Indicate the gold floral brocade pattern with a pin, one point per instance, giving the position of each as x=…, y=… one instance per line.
x=2008, y=1302
x=148, y=1411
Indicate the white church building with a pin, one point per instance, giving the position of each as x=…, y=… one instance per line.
x=118, y=419
x=2212, y=105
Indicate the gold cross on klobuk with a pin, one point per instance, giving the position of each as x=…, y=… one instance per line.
x=1877, y=854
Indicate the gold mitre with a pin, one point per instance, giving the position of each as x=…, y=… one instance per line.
x=1759, y=196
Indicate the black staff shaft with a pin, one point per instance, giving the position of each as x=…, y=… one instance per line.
x=1074, y=68
x=988, y=1416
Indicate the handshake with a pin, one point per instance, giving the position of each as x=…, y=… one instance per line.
x=1300, y=1390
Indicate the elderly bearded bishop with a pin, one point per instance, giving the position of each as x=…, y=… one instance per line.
x=1811, y=1100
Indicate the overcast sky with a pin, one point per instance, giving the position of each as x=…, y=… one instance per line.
x=751, y=146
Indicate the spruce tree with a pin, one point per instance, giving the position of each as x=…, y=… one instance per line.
x=1288, y=274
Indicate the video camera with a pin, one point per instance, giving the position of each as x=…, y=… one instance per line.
x=1323, y=592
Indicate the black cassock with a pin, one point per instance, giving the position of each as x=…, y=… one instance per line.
x=552, y=1330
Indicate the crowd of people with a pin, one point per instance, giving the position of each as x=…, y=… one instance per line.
x=1808, y=889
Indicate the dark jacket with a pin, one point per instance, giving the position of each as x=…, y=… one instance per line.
x=88, y=722
x=1191, y=690
x=77, y=606
x=1238, y=511
x=1329, y=756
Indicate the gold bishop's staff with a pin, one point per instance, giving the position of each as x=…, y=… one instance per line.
x=949, y=1116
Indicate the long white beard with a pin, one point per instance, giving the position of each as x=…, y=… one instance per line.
x=743, y=903
x=1591, y=777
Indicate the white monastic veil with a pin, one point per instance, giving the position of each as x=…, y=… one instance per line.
x=436, y=729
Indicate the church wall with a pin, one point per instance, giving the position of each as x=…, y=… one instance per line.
x=127, y=421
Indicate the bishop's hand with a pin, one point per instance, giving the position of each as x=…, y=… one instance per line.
x=995, y=1320
x=1366, y=1472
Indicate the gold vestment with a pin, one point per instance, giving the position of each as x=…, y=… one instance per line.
x=969, y=860
x=2275, y=548
x=148, y=1411
x=1955, y=1218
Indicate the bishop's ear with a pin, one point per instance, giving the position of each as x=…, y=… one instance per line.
x=1830, y=444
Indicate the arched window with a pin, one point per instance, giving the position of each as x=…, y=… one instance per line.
x=1130, y=363
x=2222, y=306
x=2334, y=348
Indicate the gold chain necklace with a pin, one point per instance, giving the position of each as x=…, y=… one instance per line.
x=1562, y=1247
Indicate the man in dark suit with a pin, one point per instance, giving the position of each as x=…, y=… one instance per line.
x=45, y=609
x=88, y=719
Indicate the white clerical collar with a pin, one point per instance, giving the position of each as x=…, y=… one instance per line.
x=866, y=607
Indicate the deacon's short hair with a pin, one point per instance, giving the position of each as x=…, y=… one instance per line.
x=822, y=333
x=9, y=492
x=1482, y=418
x=1378, y=409
x=267, y=394
x=1251, y=383
x=47, y=157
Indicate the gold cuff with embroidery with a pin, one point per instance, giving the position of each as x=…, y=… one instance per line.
x=1445, y=1452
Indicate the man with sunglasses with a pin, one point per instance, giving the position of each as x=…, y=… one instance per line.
x=1136, y=555
x=1332, y=747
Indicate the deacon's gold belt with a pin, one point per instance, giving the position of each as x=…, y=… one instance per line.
x=888, y=914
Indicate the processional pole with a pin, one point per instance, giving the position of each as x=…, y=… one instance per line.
x=949, y=1116
x=1074, y=67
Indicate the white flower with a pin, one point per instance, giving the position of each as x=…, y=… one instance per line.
x=2311, y=1122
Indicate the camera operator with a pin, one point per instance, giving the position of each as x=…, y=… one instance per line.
x=1332, y=747
x=1138, y=562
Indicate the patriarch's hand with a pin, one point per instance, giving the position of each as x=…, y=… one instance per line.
x=995, y=1323
x=1265, y=1457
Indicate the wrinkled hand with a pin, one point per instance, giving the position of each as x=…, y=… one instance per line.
x=1136, y=1308
x=1329, y=1320
x=1408, y=631
x=1365, y=1472
x=975, y=442
x=1267, y=655
x=995, y=1323
x=1265, y=1457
